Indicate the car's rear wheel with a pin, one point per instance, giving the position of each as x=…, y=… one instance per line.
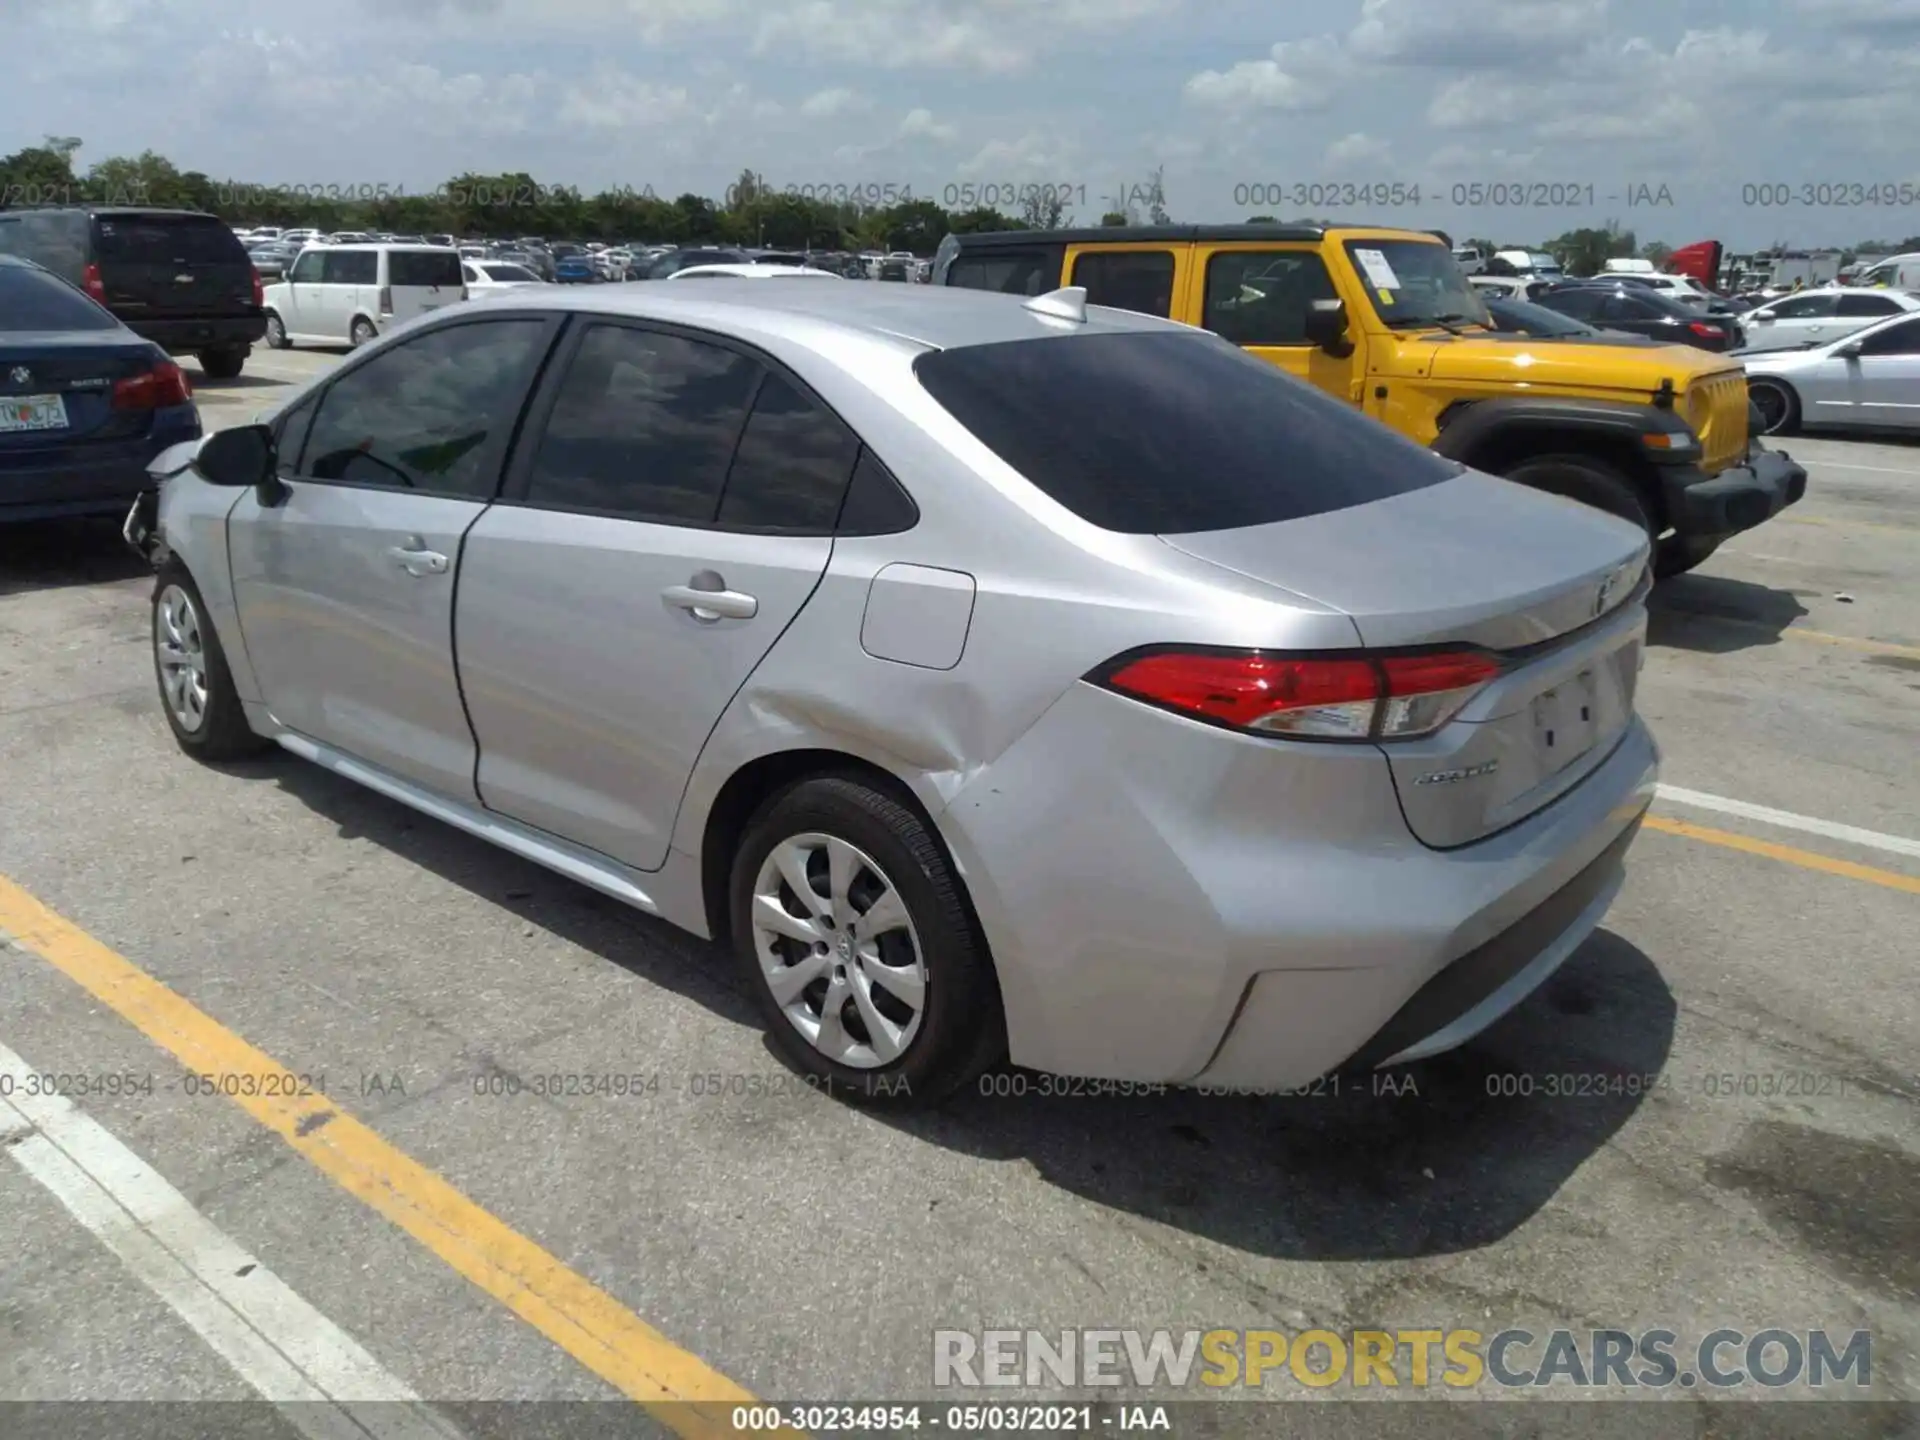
x=197, y=693
x=861, y=947
x=1590, y=481
x=277, y=333
x=1775, y=406
x=362, y=332
x=225, y=363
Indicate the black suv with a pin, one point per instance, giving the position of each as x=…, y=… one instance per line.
x=179, y=278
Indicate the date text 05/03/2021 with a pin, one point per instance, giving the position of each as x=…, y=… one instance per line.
x=865, y=1418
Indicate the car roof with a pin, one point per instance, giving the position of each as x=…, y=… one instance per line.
x=1165, y=234
x=752, y=272
x=817, y=317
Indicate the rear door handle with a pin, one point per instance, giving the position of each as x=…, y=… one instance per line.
x=711, y=605
x=414, y=558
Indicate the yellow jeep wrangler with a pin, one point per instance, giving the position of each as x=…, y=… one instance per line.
x=1657, y=434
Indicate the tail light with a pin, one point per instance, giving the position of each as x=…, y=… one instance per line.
x=1349, y=696
x=1707, y=332
x=386, y=300
x=91, y=282
x=259, y=290
x=165, y=384
x=463, y=292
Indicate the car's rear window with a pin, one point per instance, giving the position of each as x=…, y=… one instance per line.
x=168, y=240
x=1168, y=434
x=423, y=267
x=35, y=300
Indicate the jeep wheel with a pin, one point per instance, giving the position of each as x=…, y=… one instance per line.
x=225, y=363
x=1676, y=555
x=1776, y=406
x=1592, y=482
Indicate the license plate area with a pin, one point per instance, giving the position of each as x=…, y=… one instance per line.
x=1566, y=721
x=22, y=414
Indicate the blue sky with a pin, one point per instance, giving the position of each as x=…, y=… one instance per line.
x=1616, y=98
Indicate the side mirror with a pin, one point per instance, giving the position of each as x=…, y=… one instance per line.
x=1327, y=326
x=245, y=455
x=1761, y=319
x=1853, y=349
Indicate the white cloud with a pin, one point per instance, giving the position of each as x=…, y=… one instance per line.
x=1032, y=157
x=919, y=124
x=1355, y=150
x=611, y=100
x=837, y=101
x=1296, y=75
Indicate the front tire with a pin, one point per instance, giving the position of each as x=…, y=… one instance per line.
x=861, y=947
x=1590, y=481
x=1776, y=406
x=197, y=694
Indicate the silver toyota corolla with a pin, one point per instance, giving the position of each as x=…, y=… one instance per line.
x=991, y=676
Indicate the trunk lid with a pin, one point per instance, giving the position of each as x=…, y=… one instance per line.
x=166, y=266
x=1556, y=587
x=80, y=368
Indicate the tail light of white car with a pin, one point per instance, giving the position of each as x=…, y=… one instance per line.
x=386, y=300
x=1348, y=696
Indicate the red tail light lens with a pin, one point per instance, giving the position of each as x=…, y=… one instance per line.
x=259, y=290
x=91, y=282
x=1706, y=332
x=1344, y=697
x=165, y=384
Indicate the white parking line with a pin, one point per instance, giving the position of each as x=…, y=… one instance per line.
x=1786, y=819
x=329, y=1387
x=1876, y=469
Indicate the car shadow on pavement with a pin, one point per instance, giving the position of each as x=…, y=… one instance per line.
x=205, y=384
x=1447, y=1155
x=1716, y=615
x=55, y=554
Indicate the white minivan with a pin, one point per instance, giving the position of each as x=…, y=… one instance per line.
x=348, y=294
x=1897, y=272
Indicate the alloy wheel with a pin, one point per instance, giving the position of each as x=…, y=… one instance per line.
x=181, y=653
x=839, y=950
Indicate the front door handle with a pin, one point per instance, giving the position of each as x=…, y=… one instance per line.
x=414, y=558
x=708, y=599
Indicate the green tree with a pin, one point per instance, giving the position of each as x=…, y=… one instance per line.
x=1115, y=217
x=37, y=176
x=983, y=217
x=1658, y=252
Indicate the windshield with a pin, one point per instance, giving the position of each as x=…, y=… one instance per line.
x=32, y=299
x=508, y=272
x=1412, y=282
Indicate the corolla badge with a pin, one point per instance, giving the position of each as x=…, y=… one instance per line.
x=20, y=375
x=1454, y=777
x=1610, y=587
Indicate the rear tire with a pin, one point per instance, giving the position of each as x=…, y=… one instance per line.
x=1776, y=405
x=1590, y=481
x=362, y=332
x=225, y=363
x=197, y=693
x=900, y=1016
x=277, y=333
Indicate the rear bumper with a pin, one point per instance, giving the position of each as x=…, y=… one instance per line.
x=199, y=332
x=1706, y=507
x=1215, y=911
x=78, y=481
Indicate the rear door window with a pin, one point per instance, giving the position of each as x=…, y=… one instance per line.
x=351, y=267
x=423, y=268
x=1008, y=272
x=1169, y=434
x=791, y=469
x=1139, y=280
x=1858, y=305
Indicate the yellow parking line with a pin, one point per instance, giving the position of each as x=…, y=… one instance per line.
x=1805, y=859
x=687, y=1395
x=1849, y=642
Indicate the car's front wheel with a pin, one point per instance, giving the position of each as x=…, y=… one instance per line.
x=1776, y=408
x=861, y=947
x=197, y=693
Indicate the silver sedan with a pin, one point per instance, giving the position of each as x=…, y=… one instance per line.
x=1868, y=380
x=990, y=677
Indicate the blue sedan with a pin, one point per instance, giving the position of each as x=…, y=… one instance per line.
x=85, y=404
